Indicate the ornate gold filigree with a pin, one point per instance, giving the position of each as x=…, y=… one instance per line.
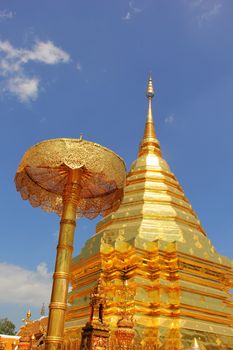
x=43, y=174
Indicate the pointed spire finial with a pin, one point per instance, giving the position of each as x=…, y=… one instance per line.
x=28, y=317
x=149, y=142
x=29, y=314
x=42, y=311
x=150, y=94
x=150, y=89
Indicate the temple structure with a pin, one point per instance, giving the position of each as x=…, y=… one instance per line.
x=32, y=333
x=150, y=277
x=163, y=282
x=8, y=342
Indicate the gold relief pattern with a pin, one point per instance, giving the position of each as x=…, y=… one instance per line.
x=163, y=284
x=172, y=340
x=191, y=251
x=150, y=339
x=158, y=291
x=198, y=244
x=100, y=343
x=125, y=336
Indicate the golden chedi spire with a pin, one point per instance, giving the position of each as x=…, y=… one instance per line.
x=154, y=241
x=154, y=202
x=149, y=143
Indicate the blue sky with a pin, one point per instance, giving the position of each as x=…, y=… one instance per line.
x=71, y=67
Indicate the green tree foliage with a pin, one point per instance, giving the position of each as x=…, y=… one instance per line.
x=7, y=327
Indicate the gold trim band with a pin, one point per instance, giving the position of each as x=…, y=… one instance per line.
x=68, y=221
x=58, y=305
x=61, y=275
x=65, y=246
x=53, y=339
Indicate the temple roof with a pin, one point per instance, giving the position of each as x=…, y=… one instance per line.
x=154, y=204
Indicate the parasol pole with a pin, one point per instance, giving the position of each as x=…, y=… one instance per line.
x=61, y=276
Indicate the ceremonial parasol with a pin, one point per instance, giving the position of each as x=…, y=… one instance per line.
x=74, y=178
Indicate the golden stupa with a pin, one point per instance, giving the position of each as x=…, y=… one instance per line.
x=159, y=272
x=150, y=278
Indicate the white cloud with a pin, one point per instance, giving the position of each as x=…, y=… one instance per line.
x=25, y=89
x=209, y=13
x=22, y=286
x=43, y=270
x=46, y=52
x=12, y=66
x=134, y=8
x=5, y=14
x=10, y=60
x=127, y=17
x=132, y=11
x=169, y=119
x=205, y=10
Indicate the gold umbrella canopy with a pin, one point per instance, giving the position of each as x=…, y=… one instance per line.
x=44, y=169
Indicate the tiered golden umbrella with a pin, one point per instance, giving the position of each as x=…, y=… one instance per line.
x=74, y=178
